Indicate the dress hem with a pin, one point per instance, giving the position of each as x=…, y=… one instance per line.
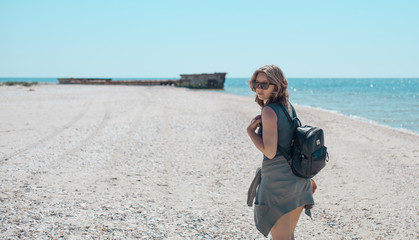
x=274, y=213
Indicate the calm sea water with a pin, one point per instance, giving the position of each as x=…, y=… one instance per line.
x=388, y=101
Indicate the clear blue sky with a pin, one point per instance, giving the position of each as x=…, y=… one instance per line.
x=100, y=38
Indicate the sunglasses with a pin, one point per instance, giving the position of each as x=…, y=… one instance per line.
x=263, y=85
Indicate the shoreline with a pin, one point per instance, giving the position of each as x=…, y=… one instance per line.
x=355, y=117
x=364, y=120
x=166, y=162
x=352, y=117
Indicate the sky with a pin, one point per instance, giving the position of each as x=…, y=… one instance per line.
x=118, y=39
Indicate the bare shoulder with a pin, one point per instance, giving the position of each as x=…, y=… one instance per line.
x=268, y=114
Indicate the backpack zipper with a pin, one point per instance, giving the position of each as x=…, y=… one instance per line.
x=309, y=131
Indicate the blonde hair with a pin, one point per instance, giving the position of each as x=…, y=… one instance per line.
x=277, y=78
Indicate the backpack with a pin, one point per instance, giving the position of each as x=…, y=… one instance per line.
x=308, y=153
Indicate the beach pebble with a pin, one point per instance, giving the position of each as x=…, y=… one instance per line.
x=126, y=162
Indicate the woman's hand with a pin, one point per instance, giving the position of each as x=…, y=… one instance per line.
x=254, y=123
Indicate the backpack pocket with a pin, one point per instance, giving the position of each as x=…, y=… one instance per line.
x=301, y=166
x=318, y=160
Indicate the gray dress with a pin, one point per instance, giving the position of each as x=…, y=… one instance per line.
x=280, y=191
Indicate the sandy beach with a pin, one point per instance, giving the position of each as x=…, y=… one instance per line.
x=126, y=162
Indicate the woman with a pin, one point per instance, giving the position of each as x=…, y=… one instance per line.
x=281, y=195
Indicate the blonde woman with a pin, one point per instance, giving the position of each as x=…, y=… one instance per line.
x=281, y=196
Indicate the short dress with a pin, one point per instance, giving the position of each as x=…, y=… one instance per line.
x=280, y=191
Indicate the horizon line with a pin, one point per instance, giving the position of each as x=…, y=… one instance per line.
x=226, y=77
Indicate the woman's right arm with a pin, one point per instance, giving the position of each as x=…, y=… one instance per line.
x=267, y=145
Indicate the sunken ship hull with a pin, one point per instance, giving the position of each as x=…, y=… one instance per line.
x=196, y=81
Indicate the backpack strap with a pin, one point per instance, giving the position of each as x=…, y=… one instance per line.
x=295, y=122
x=294, y=114
x=287, y=114
x=285, y=154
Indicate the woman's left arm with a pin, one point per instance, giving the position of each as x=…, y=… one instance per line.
x=268, y=144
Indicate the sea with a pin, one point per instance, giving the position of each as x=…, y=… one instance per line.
x=393, y=102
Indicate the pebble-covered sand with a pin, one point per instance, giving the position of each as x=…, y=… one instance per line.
x=126, y=162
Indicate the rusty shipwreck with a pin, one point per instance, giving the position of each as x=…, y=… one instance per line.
x=197, y=81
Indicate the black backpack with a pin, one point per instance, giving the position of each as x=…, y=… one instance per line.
x=308, y=153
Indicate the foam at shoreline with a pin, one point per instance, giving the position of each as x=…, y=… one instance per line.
x=353, y=117
x=362, y=119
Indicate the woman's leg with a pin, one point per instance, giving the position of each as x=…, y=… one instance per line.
x=285, y=226
x=295, y=216
x=282, y=228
